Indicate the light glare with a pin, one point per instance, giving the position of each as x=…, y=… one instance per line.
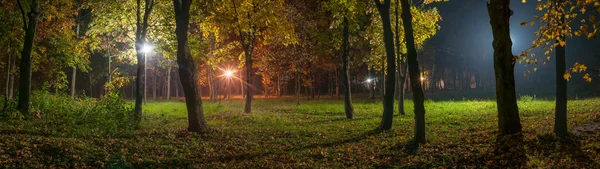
x=147, y=48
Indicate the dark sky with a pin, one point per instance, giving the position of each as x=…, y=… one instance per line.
x=465, y=28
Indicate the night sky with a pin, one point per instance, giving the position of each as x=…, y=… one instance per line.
x=465, y=29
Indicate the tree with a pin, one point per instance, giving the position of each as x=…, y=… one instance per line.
x=345, y=72
x=414, y=73
x=187, y=68
x=140, y=41
x=252, y=23
x=553, y=35
x=25, y=67
x=388, y=39
x=506, y=99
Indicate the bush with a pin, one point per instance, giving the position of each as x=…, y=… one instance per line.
x=109, y=115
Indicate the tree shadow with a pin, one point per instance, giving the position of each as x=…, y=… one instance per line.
x=548, y=144
x=509, y=152
x=247, y=156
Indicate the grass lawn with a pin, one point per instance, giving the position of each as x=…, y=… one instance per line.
x=279, y=134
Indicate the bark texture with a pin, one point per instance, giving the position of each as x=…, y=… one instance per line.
x=388, y=39
x=187, y=69
x=508, y=112
x=25, y=67
x=414, y=73
x=348, y=108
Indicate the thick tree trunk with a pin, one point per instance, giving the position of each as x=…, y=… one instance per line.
x=187, y=68
x=414, y=72
x=25, y=68
x=348, y=109
x=388, y=39
x=560, y=114
x=508, y=112
x=248, y=66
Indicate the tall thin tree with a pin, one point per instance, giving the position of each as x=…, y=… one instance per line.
x=414, y=73
x=345, y=74
x=140, y=38
x=388, y=39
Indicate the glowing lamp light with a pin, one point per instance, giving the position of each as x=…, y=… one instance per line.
x=422, y=78
x=228, y=73
x=147, y=48
x=369, y=80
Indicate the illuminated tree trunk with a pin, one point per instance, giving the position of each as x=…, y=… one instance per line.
x=188, y=68
x=25, y=67
x=388, y=39
x=508, y=112
x=560, y=115
x=345, y=74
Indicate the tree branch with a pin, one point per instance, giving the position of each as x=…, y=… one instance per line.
x=22, y=15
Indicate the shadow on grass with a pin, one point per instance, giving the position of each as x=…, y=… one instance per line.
x=548, y=144
x=249, y=156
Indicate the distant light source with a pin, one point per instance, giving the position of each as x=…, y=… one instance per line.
x=147, y=48
x=369, y=80
x=228, y=73
x=422, y=78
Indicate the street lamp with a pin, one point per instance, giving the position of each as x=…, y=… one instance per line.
x=147, y=48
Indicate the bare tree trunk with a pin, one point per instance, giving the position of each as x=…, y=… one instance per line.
x=168, y=83
x=348, y=108
x=297, y=84
x=560, y=114
x=508, y=111
x=187, y=68
x=25, y=68
x=414, y=73
x=141, y=28
x=388, y=39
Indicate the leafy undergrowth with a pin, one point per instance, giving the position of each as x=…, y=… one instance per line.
x=279, y=134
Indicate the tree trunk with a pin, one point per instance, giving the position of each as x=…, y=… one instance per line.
x=414, y=72
x=187, y=68
x=168, y=83
x=6, y=95
x=560, y=114
x=508, y=112
x=432, y=81
x=25, y=68
x=345, y=81
x=73, y=80
x=141, y=28
x=297, y=84
x=154, y=87
x=401, y=91
x=388, y=39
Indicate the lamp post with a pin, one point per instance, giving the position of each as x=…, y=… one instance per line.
x=146, y=49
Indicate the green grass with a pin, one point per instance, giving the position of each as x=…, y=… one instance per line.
x=279, y=134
